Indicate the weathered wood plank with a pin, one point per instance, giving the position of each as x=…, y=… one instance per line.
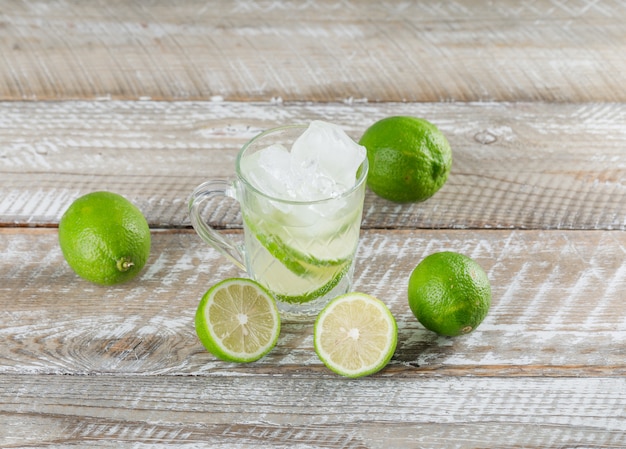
x=274, y=411
x=319, y=51
x=521, y=165
x=557, y=310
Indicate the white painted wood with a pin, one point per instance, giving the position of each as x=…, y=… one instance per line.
x=516, y=165
x=531, y=96
x=557, y=309
x=325, y=50
x=304, y=412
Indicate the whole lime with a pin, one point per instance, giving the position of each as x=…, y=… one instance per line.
x=409, y=158
x=104, y=238
x=449, y=293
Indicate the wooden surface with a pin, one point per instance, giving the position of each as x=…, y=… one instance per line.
x=149, y=99
x=320, y=51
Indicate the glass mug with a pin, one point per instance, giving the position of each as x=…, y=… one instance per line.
x=301, y=251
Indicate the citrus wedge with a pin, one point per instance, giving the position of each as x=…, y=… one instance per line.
x=355, y=335
x=237, y=320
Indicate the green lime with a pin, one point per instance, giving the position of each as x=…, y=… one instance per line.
x=104, y=238
x=409, y=158
x=449, y=293
x=355, y=335
x=237, y=320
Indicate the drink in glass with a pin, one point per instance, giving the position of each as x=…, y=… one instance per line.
x=301, y=192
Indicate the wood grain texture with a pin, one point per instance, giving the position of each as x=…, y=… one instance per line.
x=557, y=308
x=306, y=412
x=516, y=165
x=322, y=51
x=149, y=99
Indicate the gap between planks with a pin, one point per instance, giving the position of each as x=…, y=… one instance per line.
x=516, y=165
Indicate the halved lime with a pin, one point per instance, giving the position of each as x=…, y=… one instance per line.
x=355, y=335
x=237, y=320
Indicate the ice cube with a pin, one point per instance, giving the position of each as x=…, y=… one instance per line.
x=329, y=157
x=269, y=170
x=322, y=164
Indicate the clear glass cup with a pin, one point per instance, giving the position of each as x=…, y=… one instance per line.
x=301, y=251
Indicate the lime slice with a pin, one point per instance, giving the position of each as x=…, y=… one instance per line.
x=299, y=276
x=307, y=277
x=355, y=335
x=295, y=260
x=335, y=274
x=237, y=320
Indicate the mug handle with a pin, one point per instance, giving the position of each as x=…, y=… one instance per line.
x=224, y=245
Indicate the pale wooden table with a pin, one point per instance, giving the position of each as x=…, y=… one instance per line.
x=149, y=99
